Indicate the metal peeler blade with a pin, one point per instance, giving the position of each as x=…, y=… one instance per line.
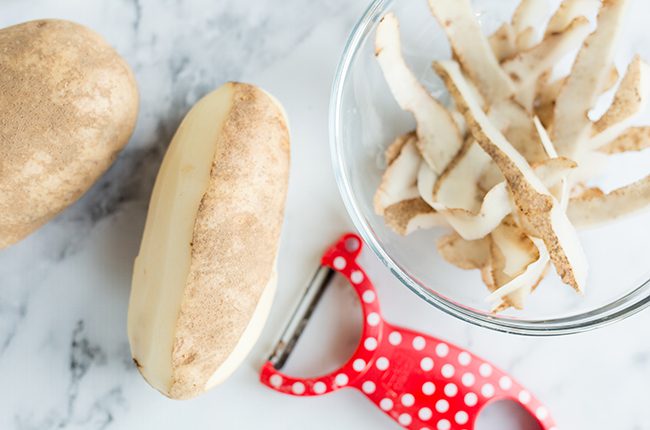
x=301, y=315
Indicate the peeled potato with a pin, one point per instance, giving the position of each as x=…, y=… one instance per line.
x=68, y=105
x=204, y=279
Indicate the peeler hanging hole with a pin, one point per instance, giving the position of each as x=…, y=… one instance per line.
x=352, y=244
x=506, y=415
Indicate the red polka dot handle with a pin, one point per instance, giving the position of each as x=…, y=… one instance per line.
x=421, y=382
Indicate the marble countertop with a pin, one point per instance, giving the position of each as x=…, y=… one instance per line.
x=64, y=356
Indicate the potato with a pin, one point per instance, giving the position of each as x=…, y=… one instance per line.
x=204, y=279
x=68, y=105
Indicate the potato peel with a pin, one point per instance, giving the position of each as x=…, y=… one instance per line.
x=460, y=121
x=630, y=100
x=426, y=180
x=508, y=291
x=503, y=42
x=526, y=39
x=399, y=180
x=410, y=215
x=470, y=255
x=528, y=280
x=592, y=209
x=456, y=187
x=543, y=217
x=464, y=254
x=590, y=164
x=634, y=139
x=484, y=131
x=516, y=297
x=472, y=48
x=547, y=95
x=394, y=149
x=438, y=136
x=571, y=124
x=570, y=10
x=517, y=126
x=456, y=195
x=515, y=245
x=527, y=95
x=526, y=67
x=476, y=225
x=529, y=15
x=552, y=90
x=552, y=171
x=496, y=204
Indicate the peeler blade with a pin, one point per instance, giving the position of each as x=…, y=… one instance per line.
x=301, y=315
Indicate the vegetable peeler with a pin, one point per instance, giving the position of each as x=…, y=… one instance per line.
x=421, y=382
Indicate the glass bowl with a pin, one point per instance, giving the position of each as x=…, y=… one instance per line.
x=364, y=119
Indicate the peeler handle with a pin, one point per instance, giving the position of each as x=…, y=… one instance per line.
x=425, y=383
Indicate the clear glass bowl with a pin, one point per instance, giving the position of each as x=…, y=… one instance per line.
x=364, y=119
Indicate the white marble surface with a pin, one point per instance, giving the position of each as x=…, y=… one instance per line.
x=64, y=356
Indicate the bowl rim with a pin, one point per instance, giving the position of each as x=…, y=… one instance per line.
x=629, y=304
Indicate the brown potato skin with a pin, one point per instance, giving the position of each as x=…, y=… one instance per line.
x=236, y=238
x=68, y=105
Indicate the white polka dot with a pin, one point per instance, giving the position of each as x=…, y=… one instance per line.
x=320, y=387
x=356, y=277
x=408, y=400
x=426, y=364
x=442, y=406
x=541, y=413
x=505, y=383
x=485, y=370
x=464, y=358
x=444, y=425
x=461, y=417
x=442, y=349
x=370, y=343
x=298, y=388
x=339, y=263
x=368, y=296
x=451, y=390
x=468, y=379
x=368, y=387
x=405, y=419
x=524, y=397
x=395, y=338
x=341, y=379
x=428, y=388
x=471, y=399
x=419, y=343
x=382, y=363
x=487, y=390
x=447, y=370
x=358, y=364
x=386, y=404
x=425, y=414
x=373, y=319
x=275, y=380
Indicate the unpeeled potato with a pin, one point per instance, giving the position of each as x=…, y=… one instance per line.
x=68, y=105
x=204, y=278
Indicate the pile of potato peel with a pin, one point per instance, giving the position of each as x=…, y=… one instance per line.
x=507, y=164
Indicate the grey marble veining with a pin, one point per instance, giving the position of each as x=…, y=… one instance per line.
x=179, y=52
x=64, y=356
